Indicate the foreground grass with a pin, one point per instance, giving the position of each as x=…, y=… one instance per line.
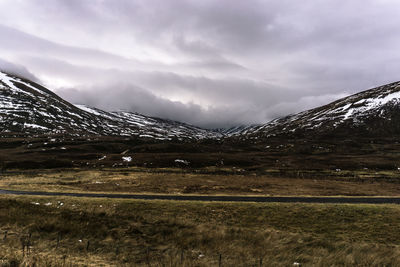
x=103, y=232
x=205, y=181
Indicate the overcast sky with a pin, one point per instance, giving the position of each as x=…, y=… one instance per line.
x=210, y=63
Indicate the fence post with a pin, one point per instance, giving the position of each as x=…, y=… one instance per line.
x=220, y=260
x=261, y=262
x=147, y=256
x=23, y=245
x=28, y=246
x=5, y=235
x=58, y=240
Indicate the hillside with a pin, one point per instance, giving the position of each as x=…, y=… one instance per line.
x=371, y=113
x=27, y=109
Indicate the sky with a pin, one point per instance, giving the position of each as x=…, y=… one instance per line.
x=213, y=64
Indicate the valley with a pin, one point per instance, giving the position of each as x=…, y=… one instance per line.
x=150, y=133
x=349, y=148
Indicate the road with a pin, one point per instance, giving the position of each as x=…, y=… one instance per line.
x=341, y=200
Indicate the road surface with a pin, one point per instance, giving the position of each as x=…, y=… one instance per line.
x=342, y=200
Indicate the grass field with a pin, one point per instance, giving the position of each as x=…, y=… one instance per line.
x=209, y=181
x=104, y=232
x=67, y=231
x=287, y=155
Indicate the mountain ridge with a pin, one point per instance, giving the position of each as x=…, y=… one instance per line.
x=29, y=108
x=365, y=112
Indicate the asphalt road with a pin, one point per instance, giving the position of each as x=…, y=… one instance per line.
x=342, y=200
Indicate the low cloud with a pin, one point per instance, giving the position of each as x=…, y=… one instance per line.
x=17, y=70
x=129, y=97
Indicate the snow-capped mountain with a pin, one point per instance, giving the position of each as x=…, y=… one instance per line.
x=28, y=108
x=150, y=127
x=372, y=112
x=232, y=131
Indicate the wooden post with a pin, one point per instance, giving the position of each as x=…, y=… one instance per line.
x=23, y=245
x=117, y=250
x=87, y=246
x=28, y=245
x=58, y=240
x=220, y=260
x=147, y=256
x=261, y=262
x=5, y=235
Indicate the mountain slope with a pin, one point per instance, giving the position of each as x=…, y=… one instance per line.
x=234, y=130
x=28, y=108
x=144, y=126
x=375, y=112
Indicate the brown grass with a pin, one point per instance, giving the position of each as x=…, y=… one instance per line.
x=176, y=181
x=162, y=233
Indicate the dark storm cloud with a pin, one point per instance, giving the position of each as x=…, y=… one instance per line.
x=210, y=63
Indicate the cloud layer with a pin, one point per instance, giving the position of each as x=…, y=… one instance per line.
x=208, y=63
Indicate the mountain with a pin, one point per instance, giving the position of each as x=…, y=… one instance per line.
x=27, y=108
x=374, y=112
x=236, y=130
x=144, y=126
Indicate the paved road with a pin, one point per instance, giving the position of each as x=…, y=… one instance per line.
x=343, y=200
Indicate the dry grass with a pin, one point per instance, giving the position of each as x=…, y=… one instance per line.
x=177, y=181
x=163, y=233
